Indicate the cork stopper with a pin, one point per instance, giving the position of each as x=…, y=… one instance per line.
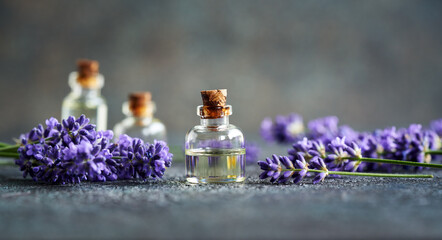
x=87, y=71
x=214, y=104
x=140, y=104
x=214, y=97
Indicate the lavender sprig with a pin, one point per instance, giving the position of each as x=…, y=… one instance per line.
x=134, y=159
x=72, y=151
x=280, y=169
x=343, y=157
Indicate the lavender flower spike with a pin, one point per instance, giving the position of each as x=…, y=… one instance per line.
x=139, y=160
x=325, y=128
x=272, y=168
x=285, y=129
x=339, y=156
x=318, y=163
x=72, y=151
x=300, y=163
x=436, y=126
x=252, y=152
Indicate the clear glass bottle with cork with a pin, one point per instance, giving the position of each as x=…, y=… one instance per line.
x=85, y=97
x=215, y=151
x=140, y=122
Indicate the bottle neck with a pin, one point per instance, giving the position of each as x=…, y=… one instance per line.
x=215, y=122
x=142, y=121
x=87, y=92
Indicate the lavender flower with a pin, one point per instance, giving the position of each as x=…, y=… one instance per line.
x=436, y=126
x=302, y=147
x=349, y=133
x=266, y=129
x=139, y=160
x=339, y=156
x=281, y=169
x=337, y=160
x=285, y=129
x=66, y=153
x=318, y=163
x=252, y=152
x=324, y=129
x=272, y=168
x=72, y=151
x=300, y=163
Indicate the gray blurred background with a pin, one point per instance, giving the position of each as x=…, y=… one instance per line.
x=372, y=63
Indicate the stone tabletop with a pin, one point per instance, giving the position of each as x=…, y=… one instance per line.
x=348, y=208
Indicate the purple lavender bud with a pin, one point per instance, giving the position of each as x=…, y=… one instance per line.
x=139, y=160
x=263, y=175
x=272, y=168
x=286, y=162
x=73, y=151
x=266, y=129
x=263, y=165
x=352, y=166
x=302, y=147
x=319, y=177
x=436, y=126
x=318, y=163
x=298, y=177
x=354, y=150
x=317, y=149
x=285, y=129
x=338, y=143
x=325, y=128
x=348, y=132
x=252, y=152
x=301, y=164
x=285, y=176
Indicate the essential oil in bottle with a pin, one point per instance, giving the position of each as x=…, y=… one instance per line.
x=85, y=97
x=140, y=122
x=214, y=149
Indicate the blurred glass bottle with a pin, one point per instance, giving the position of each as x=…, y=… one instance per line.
x=140, y=122
x=215, y=151
x=85, y=97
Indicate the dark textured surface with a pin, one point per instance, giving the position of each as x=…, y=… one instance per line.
x=357, y=207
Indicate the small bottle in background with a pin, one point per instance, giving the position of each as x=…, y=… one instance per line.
x=85, y=97
x=140, y=122
x=215, y=151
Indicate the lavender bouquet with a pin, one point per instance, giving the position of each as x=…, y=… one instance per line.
x=329, y=149
x=72, y=151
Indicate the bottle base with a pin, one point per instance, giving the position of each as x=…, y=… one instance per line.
x=196, y=180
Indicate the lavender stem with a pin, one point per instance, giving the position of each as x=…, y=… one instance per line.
x=433, y=152
x=9, y=154
x=364, y=174
x=9, y=148
x=398, y=162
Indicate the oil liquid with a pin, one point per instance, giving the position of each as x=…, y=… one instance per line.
x=215, y=165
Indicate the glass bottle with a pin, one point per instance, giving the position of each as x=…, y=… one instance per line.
x=85, y=97
x=140, y=122
x=214, y=149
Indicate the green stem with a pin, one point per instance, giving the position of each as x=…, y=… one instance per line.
x=380, y=174
x=2, y=144
x=10, y=148
x=9, y=154
x=364, y=174
x=436, y=152
x=14, y=148
x=398, y=162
